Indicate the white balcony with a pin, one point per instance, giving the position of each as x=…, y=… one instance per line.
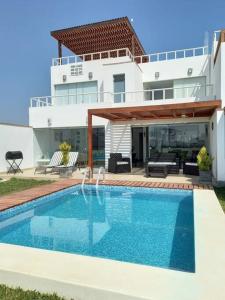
x=172, y=55
x=125, y=52
x=111, y=54
x=144, y=97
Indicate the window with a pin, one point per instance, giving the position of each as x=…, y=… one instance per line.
x=182, y=137
x=75, y=93
x=76, y=70
x=158, y=90
x=119, y=88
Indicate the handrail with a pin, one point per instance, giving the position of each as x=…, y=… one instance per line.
x=171, y=55
x=73, y=59
x=151, y=57
x=196, y=90
x=88, y=170
x=101, y=169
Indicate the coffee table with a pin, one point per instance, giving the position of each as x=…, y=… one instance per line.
x=157, y=170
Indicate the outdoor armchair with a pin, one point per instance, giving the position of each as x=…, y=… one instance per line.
x=118, y=164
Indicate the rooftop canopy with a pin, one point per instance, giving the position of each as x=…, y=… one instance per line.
x=101, y=36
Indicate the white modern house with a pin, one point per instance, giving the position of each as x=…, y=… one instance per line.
x=121, y=99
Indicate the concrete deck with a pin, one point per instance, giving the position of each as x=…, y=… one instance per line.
x=89, y=278
x=137, y=174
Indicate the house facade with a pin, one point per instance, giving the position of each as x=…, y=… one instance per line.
x=110, y=96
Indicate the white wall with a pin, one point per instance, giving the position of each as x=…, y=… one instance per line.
x=216, y=75
x=73, y=115
x=213, y=142
x=16, y=138
x=103, y=71
x=43, y=143
x=176, y=69
x=222, y=49
x=218, y=144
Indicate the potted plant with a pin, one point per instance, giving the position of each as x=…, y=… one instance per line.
x=65, y=149
x=204, y=161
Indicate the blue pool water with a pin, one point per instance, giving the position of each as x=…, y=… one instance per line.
x=138, y=225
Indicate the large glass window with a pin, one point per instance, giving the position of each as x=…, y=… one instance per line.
x=75, y=93
x=78, y=138
x=178, y=137
x=119, y=88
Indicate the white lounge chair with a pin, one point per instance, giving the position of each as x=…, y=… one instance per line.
x=73, y=156
x=55, y=161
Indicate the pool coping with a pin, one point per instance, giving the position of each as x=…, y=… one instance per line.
x=18, y=198
x=91, y=278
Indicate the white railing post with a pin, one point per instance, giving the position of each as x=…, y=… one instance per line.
x=164, y=94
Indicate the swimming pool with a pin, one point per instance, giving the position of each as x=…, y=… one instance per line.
x=139, y=225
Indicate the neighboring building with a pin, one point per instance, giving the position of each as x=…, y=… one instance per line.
x=140, y=103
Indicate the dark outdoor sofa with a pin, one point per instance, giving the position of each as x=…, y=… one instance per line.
x=170, y=160
x=190, y=168
x=118, y=164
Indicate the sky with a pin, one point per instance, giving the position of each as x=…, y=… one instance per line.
x=26, y=47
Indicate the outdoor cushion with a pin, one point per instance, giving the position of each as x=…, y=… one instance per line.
x=190, y=164
x=122, y=163
x=161, y=163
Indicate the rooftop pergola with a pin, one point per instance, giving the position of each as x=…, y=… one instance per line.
x=150, y=112
x=97, y=37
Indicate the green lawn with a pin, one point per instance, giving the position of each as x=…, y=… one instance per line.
x=18, y=184
x=220, y=192
x=7, y=293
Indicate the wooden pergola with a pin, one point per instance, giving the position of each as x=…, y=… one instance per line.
x=150, y=112
x=98, y=37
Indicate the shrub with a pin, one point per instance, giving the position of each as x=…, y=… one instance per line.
x=65, y=149
x=204, y=160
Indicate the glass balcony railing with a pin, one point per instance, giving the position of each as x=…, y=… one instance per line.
x=194, y=92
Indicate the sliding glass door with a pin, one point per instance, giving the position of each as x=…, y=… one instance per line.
x=184, y=138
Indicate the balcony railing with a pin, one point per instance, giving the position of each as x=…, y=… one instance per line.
x=160, y=56
x=172, y=55
x=196, y=92
x=92, y=56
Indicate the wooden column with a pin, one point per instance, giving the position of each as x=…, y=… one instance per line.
x=59, y=49
x=90, y=141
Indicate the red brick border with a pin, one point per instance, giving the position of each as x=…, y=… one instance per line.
x=18, y=198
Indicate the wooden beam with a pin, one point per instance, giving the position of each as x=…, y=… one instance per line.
x=152, y=114
x=123, y=115
x=59, y=49
x=90, y=142
x=211, y=104
x=113, y=116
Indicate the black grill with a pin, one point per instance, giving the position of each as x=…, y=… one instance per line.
x=11, y=155
x=14, y=159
